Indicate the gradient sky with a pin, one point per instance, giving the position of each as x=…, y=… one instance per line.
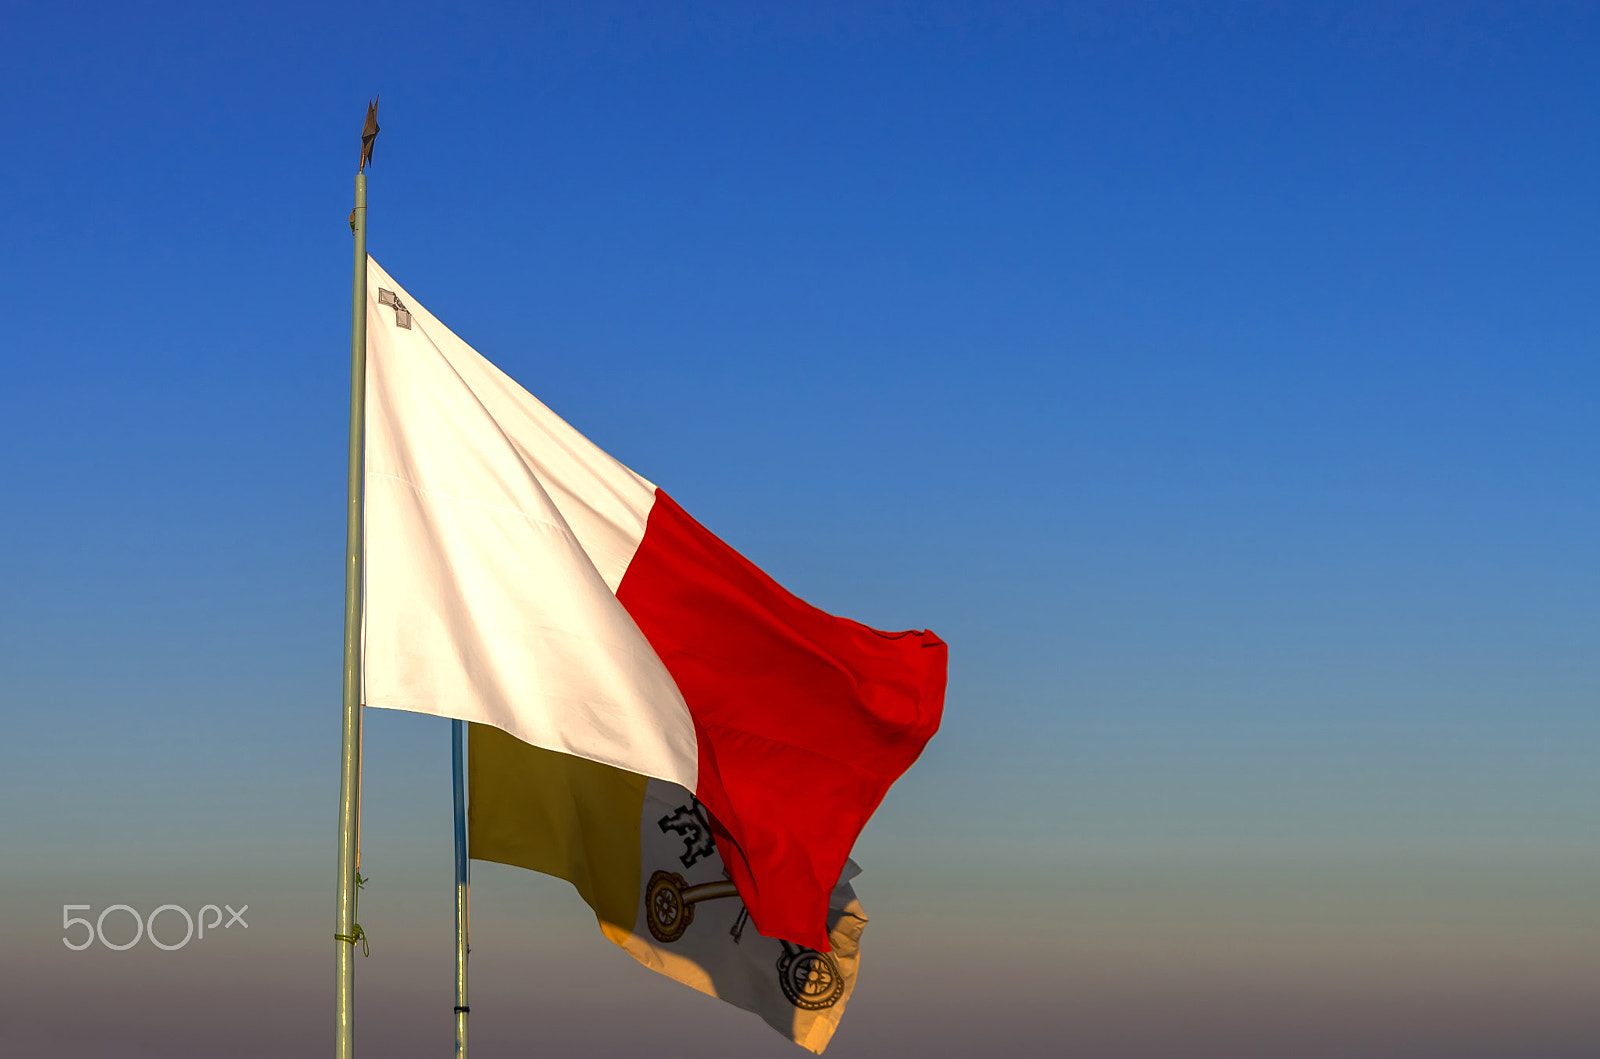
x=1220, y=380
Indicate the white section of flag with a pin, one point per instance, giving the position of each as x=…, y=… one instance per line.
x=496, y=536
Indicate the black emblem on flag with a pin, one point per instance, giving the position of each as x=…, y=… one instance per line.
x=810, y=980
x=669, y=902
x=402, y=315
x=690, y=822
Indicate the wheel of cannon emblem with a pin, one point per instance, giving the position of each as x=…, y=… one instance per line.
x=809, y=979
x=667, y=914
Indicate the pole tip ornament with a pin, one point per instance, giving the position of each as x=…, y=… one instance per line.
x=369, y=133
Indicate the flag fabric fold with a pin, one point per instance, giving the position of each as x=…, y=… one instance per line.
x=804, y=719
x=519, y=577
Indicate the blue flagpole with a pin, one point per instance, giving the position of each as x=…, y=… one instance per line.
x=458, y=732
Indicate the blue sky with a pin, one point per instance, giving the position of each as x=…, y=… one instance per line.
x=1218, y=379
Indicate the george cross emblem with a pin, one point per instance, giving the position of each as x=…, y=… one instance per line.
x=402, y=315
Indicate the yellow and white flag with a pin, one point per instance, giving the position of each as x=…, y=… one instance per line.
x=640, y=852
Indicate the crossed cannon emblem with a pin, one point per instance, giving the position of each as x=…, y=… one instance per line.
x=809, y=979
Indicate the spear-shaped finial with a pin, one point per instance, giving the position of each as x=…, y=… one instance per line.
x=369, y=133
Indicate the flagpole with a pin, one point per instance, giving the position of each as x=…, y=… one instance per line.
x=348, y=930
x=458, y=730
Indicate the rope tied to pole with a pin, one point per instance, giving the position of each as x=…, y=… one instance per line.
x=356, y=933
x=356, y=936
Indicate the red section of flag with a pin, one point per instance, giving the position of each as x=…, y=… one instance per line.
x=804, y=719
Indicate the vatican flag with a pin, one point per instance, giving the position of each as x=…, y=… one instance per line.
x=640, y=852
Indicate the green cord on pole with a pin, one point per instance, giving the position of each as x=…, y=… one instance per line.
x=357, y=935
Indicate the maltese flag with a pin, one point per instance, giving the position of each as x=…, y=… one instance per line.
x=518, y=576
